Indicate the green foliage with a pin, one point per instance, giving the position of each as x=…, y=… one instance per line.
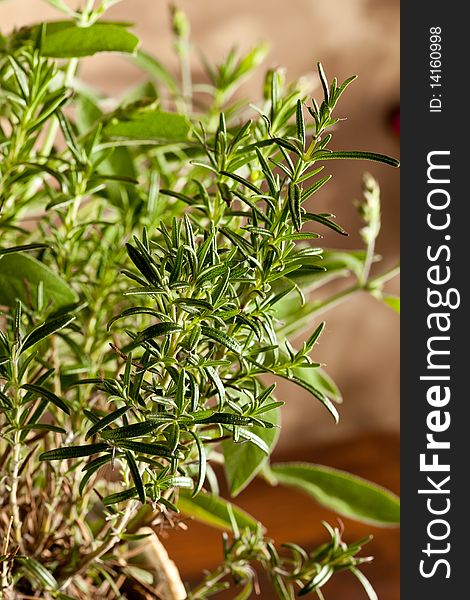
x=243, y=461
x=64, y=39
x=154, y=268
x=22, y=275
x=346, y=494
x=291, y=569
x=147, y=124
x=215, y=511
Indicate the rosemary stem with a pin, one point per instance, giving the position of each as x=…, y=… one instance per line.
x=14, y=490
x=106, y=545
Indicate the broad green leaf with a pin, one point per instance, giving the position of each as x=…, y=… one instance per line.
x=392, y=301
x=156, y=70
x=20, y=276
x=341, y=492
x=73, y=452
x=243, y=461
x=149, y=125
x=320, y=380
x=212, y=510
x=88, y=112
x=64, y=39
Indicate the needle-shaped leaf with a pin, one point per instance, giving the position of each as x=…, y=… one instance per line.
x=366, y=584
x=312, y=340
x=42, y=427
x=255, y=439
x=221, y=338
x=242, y=180
x=134, y=430
x=42, y=392
x=39, y=573
x=357, y=155
x=319, y=395
x=202, y=463
x=195, y=303
x=294, y=199
x=144, y=264
x=23, y=248
x=324, y=219
x=120, y=496
x=160, y=329
x=102, y=423
x=219, y=386
x=91, y=468
x=136, y=477
x=73, y=452
x=314, y=187
x=45, y=330
x=300, y=124
x=211, y=273
x=5, y=401
x=324, y=82
x=148, y=448
x=226, y=419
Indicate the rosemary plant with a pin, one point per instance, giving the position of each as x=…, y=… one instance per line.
x=154, y=270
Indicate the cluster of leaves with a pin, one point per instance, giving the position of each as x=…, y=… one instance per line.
x=292, y=570
x=211, y=206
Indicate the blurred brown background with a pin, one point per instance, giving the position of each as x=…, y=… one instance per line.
x=360, y=344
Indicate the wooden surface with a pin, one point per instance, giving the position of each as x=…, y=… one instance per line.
x=291, y=516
